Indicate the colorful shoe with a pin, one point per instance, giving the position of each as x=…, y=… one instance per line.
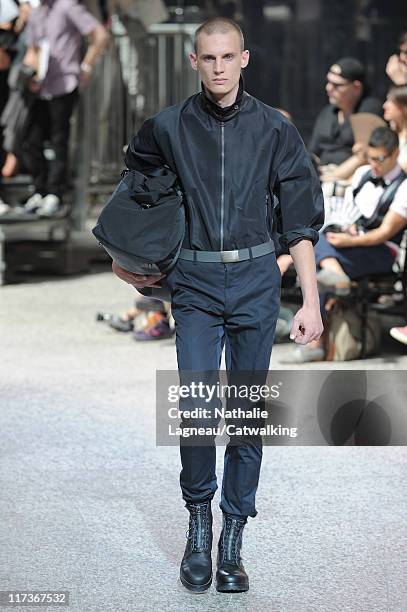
x=157, y=328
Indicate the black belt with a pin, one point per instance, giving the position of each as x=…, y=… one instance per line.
x=228, y=256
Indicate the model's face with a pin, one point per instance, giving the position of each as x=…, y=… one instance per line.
x=341, y=92
x=381, y=161
x=219, y=60
x=394, y=112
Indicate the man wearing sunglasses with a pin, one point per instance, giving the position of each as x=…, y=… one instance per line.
x=332, y=138
x=377, y=206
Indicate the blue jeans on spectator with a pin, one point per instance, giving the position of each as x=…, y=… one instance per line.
x=356, y=262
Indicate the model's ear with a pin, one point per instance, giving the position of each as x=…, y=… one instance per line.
x=245, y=58
x=194, y=61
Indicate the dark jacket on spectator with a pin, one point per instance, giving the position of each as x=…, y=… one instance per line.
x=332, y=142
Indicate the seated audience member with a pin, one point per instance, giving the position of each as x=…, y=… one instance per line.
x=377, y=203
x=286, y=114
x=396, y=68
x=332, y=139
x=395, y=112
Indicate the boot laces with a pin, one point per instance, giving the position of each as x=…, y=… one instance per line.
x=233, y=529
x=198, y=525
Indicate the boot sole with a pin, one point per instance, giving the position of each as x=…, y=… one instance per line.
x=195, y=588
x=232, y=588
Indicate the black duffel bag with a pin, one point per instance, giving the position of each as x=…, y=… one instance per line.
x=142, y=225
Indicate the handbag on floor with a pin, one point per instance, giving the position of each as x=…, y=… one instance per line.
x=345, y=333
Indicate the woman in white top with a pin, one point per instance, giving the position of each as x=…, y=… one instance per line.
x=395, y=112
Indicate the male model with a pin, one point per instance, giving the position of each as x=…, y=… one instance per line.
x=230, y=152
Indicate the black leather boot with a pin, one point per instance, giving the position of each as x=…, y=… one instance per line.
x=231, y=576
x=196, y=565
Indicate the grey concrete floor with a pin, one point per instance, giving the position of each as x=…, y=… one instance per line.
x=90, y=505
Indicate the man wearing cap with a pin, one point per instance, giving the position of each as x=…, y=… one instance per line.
x=332, y=138
x=230, y=152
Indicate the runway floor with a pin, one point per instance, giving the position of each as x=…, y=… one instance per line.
x=90, y=505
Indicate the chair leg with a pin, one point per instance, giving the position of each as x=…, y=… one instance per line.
x=364, y=315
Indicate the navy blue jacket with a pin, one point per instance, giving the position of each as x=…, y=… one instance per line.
x=233, y=164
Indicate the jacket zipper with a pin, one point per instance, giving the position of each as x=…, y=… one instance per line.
x=222, y=200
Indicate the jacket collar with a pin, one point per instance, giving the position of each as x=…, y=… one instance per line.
x=224, y=113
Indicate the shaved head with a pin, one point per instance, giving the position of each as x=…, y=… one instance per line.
x=218, y=25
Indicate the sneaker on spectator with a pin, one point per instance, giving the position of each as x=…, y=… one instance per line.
x=50, y=205
x=120, y=324
x=329, y=280
x=304, y=354
x=4, y=208
x=399, y=333
x=33, y=203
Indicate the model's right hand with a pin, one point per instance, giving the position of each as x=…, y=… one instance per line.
x=137, y=280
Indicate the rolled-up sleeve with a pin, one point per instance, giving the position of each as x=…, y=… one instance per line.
x=294, y=182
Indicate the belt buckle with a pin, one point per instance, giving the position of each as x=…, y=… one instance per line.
x=229, y=256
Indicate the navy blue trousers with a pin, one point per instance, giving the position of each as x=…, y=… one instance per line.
x=356, y=261
x=235, y=306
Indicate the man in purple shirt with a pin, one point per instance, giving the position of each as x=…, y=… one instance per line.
x=54, y=39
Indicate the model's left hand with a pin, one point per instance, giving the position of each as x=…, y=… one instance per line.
x=340, y=239
x=307, y=325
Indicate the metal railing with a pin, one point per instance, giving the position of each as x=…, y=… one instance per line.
x=139, y=74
